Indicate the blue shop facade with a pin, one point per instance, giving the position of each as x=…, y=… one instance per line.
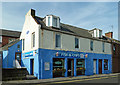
x=47, y=63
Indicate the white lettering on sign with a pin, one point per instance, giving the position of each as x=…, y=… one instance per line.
x=71, y=54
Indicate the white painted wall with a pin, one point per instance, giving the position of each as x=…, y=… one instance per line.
x=46, y=39
x=31, y=26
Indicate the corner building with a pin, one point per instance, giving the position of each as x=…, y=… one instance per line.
x=52, y=49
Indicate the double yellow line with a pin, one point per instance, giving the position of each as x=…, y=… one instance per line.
x=69, y=81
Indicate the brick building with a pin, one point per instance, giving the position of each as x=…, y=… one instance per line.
x=7, y=36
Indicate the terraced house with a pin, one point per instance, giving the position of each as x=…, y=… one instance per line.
x=53, y=49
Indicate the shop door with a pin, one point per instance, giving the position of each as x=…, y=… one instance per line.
x=94, y=66
x=32, y=66
x=100, y=66
x=70, y=64
x=18, y=57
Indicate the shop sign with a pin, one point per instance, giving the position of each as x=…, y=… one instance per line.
x=77, y=55
x=47, y=66
x=58, y=62
x=28, y=54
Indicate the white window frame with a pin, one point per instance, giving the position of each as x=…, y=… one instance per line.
x=33, y=40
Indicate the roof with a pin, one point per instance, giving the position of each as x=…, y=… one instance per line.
x=10, y=44
x=65, y=28
x=10, y=33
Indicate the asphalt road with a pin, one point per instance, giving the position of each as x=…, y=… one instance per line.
x=111, y=80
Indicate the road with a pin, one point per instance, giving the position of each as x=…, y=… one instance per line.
x=111, y=80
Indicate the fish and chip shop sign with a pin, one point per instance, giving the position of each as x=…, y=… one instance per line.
x=72, y=55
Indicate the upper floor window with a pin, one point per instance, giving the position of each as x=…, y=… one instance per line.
x=48, y=21
x=33, y=39
x=23, y=45
x=114, y=48
x=58, y=40
x=18, y=46
x=76, y=43
x=11, y=40
x=0, y=39
x=103, y=47
x=55, y=21
x=91, y=45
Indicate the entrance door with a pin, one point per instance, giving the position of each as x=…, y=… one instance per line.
x=94, y=66
x=32, y=66
x=100, y=66
x=70, y=64
x=18, y=57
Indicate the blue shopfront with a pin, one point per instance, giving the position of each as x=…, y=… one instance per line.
x=47, y=63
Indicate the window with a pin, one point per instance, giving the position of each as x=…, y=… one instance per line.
x=23, y=44
x=11, y=40
x=58, y=67
x=33, y=39
x=103, y=46
x=80, y=66
x=105, y=64
x=48, y=21
x=18, y=46
x=91, y=45
x=0, y=38
x=76, y=43
x=54, y=21
x=114, y=48
x=58, y=40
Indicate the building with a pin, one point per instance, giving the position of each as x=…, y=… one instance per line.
x=115, y=52
x=7, y=36
x=53, y=49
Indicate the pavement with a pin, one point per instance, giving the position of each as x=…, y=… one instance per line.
x=65, y=79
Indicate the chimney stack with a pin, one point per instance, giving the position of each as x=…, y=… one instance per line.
x=31, y=12
x=109, y=34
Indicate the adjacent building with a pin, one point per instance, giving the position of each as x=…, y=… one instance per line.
x=7, y=36
x=53, y=49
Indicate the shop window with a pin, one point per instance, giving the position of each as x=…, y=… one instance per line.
x=76, y=43
x=91, y=45
x=33, y=39
x=58, y=40
x=58, y=67
x=105, y=64
x=80, y=66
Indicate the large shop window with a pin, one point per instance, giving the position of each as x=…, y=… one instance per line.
x=58, y=67
x=105, y=64
x=80, y=66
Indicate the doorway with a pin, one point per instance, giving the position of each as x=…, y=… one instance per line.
x=32, y=66
x=70, y=66
x=18, y=57
x=100, y=66
x=94, y=66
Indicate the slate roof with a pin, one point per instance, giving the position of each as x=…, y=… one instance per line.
x=10, y=33
x=10, y=44
x=65, y=28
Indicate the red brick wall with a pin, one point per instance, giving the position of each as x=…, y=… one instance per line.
x=116, y=58
x=5, y=40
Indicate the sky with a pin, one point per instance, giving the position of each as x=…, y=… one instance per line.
x=87, y=15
